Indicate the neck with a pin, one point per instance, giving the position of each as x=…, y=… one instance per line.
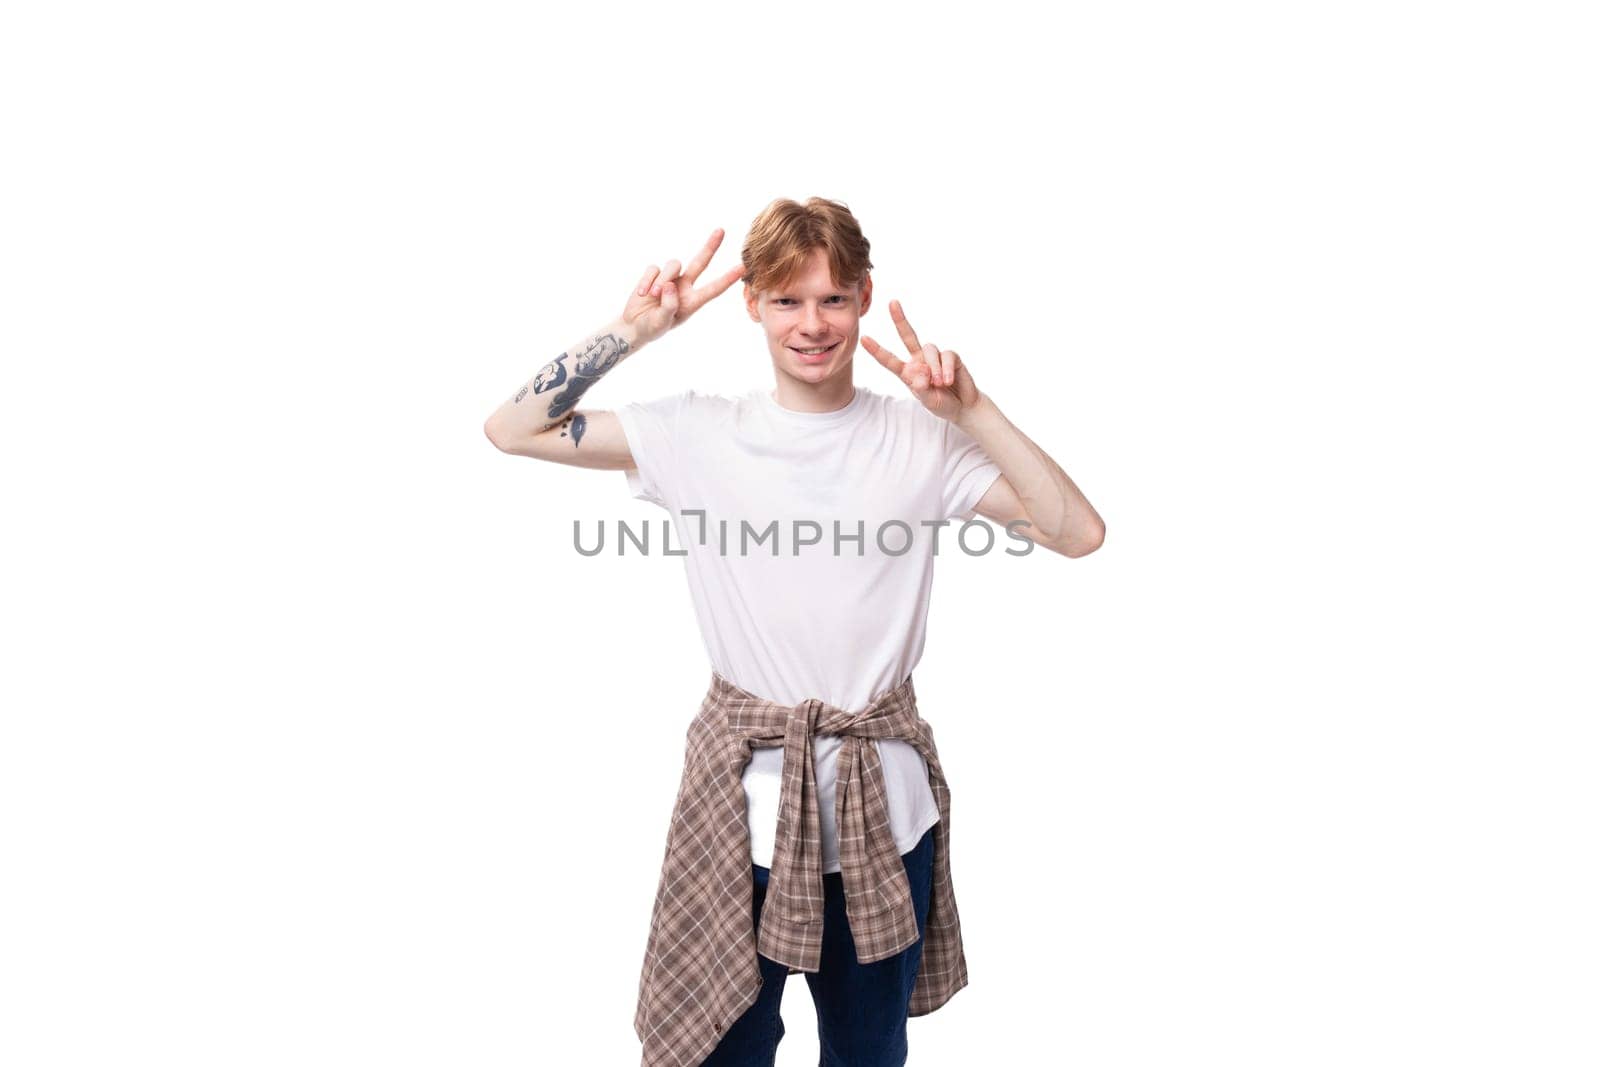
x=817, y=397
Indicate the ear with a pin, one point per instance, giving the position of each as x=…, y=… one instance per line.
x=751, y=303
x=866, y=293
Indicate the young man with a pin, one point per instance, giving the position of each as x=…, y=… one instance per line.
x=811, y=832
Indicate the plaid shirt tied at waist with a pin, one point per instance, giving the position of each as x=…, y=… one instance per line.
x=700, y=971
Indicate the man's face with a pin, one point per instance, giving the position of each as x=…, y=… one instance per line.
x=811, y=312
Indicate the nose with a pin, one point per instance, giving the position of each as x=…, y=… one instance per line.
x=814, y=325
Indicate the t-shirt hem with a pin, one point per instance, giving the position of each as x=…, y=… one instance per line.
x=916, y=838
x=902, y=845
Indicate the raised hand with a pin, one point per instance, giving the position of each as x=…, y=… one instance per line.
x=935, y=376
x=665, y=297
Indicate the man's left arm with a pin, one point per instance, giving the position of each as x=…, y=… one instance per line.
x=1031, y=486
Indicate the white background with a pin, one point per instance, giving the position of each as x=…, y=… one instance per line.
x=298, y=762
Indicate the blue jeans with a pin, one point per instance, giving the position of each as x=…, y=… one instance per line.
x=861, y=1008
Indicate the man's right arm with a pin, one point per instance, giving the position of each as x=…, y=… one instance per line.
x=542, y=420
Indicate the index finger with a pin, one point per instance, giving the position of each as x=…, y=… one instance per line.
x=702, y=257
x=716, y=288
x=907, y=334
x=883, y=356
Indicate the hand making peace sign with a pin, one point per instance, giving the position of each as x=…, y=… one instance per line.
x=935, y=376
x=665, y=298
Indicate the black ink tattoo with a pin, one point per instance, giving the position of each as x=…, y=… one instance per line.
x=576, y=423
x=599, y=356
x=550, y=375
x=569, y=399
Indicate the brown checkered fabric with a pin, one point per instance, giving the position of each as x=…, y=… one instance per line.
x=700, y=971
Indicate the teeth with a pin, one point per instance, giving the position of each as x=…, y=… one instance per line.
x=814, y=351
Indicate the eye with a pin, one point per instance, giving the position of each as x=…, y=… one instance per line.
x=838, y=298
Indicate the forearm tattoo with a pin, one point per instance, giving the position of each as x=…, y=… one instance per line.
x=576, y=423
x=598, y=356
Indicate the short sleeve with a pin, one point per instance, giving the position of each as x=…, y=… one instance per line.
x=652, y=428
x=968, y=471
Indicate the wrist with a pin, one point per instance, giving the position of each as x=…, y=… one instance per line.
x=974, y=412
x=627, y=332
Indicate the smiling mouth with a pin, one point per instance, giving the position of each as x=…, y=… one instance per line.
x=804, y=354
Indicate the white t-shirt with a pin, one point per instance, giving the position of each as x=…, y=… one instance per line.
x=832, y=615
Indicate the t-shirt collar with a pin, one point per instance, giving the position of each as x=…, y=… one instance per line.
x=813, y=418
